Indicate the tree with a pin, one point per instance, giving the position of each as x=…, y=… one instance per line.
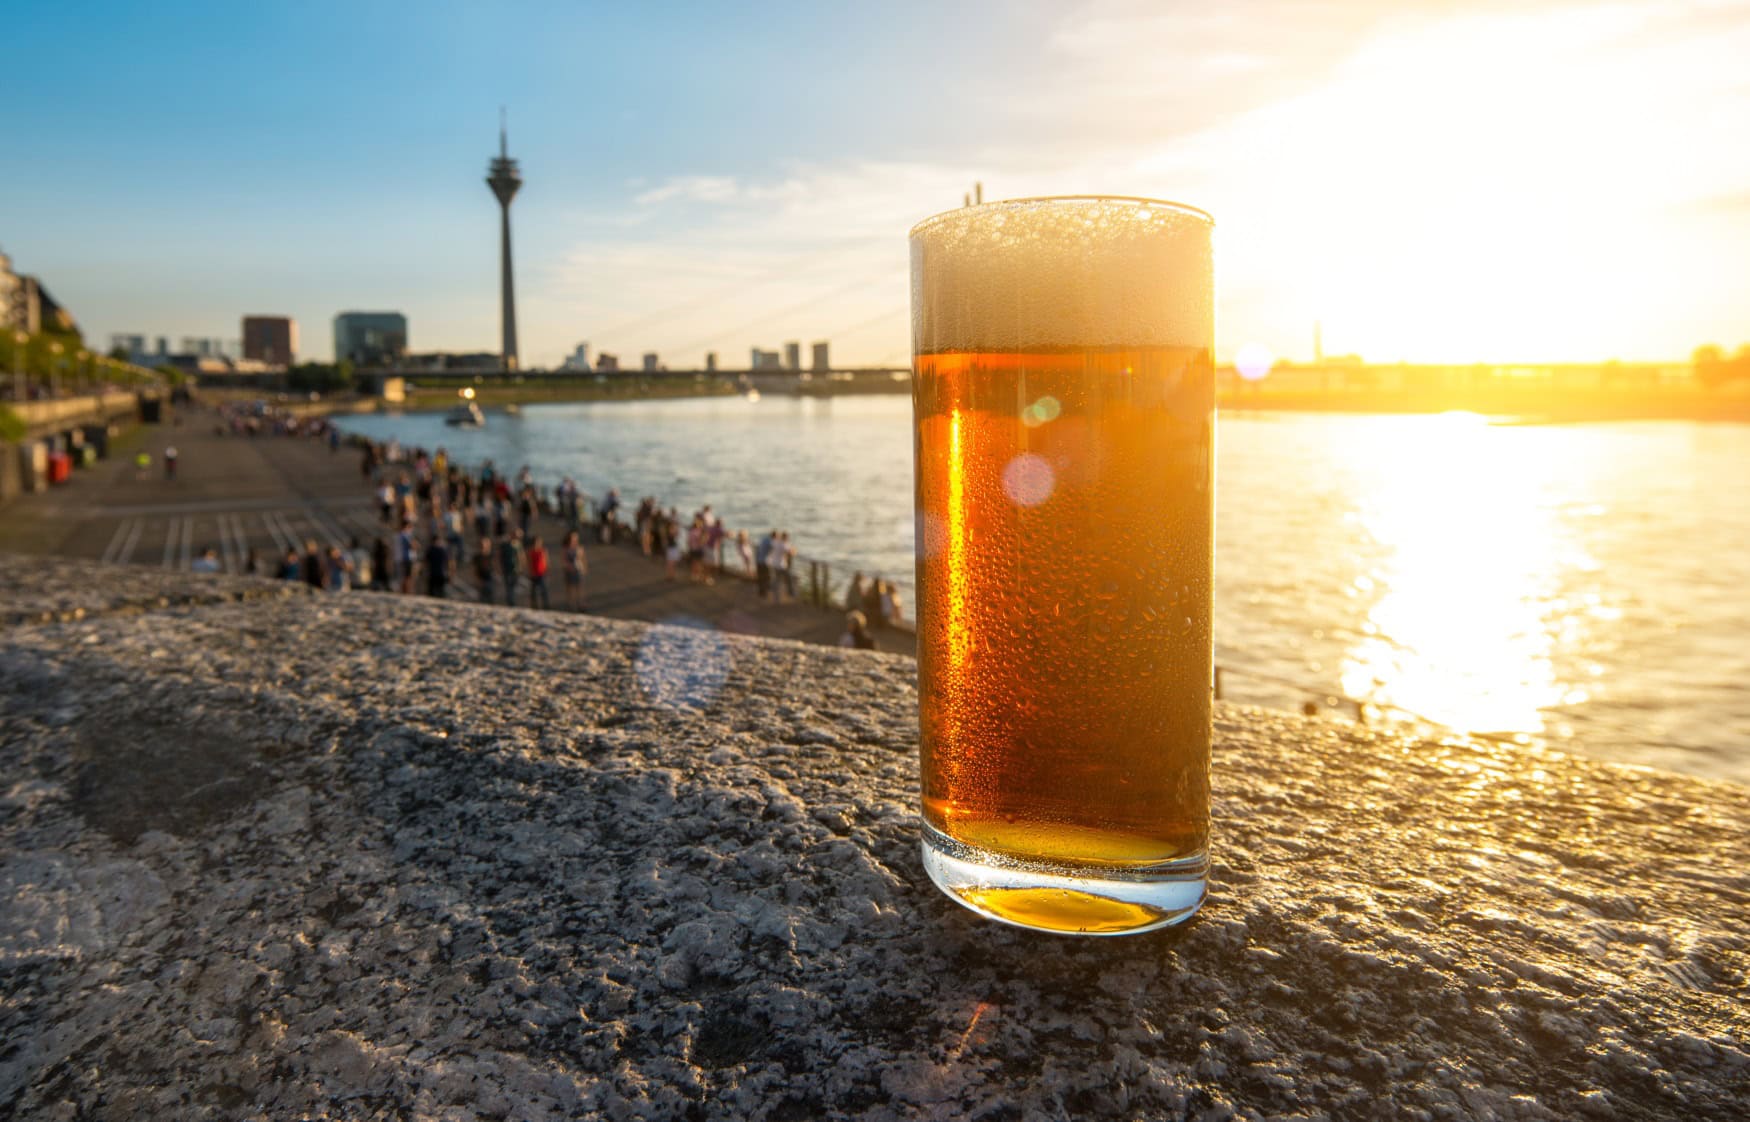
x=321, y=376
x=1709, y=364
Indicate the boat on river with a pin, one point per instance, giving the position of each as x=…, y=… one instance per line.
x=465, y=414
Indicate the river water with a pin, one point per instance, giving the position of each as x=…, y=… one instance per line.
x=1585, y=586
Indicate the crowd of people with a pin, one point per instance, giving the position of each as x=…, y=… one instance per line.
x=447, y=530
x=445, y=525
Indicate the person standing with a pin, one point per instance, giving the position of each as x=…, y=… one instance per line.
x=453, y=533
x=672, y=552
x=510, y=557
x=170, y=463
x=482, y=516
x=610, y=510
x=872, y=600
x=783, y=573
x=568, y=502
x=381, y=564
x=315, y=572
x=763, y=563
x=483, y=567
x=437, y=567
x=339, y=570
x=361, y=564
x=536, y=559
x=406, y=558
x=574, y=566
x=714, y=538
x=526, y=507
x=696, y=549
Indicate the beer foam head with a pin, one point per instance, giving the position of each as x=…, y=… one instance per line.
x=1032, y=274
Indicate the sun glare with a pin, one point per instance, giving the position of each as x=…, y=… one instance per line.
x=1469, y=589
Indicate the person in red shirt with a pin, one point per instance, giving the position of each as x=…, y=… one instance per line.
x=536, y=560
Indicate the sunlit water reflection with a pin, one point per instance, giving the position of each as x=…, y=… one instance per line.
x=1581, y=585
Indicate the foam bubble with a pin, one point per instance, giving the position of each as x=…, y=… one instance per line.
x=1043, y=273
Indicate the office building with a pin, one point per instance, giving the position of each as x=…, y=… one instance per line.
x=577, y=359
x=765, y=360
x=204, y=346
x=25, y=305
x=270, y=339
x=370, y=338
x=12, y=310
x=793, y=356
x=650, y=366
x=821, y=364
x=129, y=345
x=710, y=362
x=607, y=364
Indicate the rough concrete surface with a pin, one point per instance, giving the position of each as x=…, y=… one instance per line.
x=365, y=857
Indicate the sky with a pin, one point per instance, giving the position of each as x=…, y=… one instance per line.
x=1433, y=181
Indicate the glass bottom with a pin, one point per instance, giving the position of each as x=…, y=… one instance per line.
x=1066, y=900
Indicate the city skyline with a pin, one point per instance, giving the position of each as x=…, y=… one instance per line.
x=1429, y=184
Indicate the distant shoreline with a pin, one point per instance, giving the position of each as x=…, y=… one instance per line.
x=1528, y=406
x=1521, y=406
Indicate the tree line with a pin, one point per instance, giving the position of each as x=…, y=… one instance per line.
x=1713, y=368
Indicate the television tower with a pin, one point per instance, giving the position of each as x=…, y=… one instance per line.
x=504, y=180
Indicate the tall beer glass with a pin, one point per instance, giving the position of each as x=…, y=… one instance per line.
x=1063, y=394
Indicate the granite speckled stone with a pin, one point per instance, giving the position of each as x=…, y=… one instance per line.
x=362, y=857
x=49, y=589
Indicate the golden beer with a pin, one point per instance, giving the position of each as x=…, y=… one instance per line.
x=1065, y=559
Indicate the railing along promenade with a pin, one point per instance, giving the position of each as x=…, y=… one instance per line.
x=48, y=416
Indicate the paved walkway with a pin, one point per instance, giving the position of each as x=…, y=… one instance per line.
x=237, y=494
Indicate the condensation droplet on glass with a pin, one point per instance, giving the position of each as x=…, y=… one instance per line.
x=931, y=535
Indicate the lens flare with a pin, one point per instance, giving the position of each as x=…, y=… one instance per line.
x=1041, y=412
x=683, y=662
x=1254, y=361
x=1028, y=479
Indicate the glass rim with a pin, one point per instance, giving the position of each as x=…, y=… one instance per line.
x=1033, y=200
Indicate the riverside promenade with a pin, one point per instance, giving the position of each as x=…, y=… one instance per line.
x=267, y=854
x=236, y=494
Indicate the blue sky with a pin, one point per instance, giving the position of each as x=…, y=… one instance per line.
x=1434, y=181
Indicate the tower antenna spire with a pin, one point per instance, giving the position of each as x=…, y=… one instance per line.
x=503, y=140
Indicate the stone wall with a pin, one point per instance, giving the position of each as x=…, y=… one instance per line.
x=269, y=855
